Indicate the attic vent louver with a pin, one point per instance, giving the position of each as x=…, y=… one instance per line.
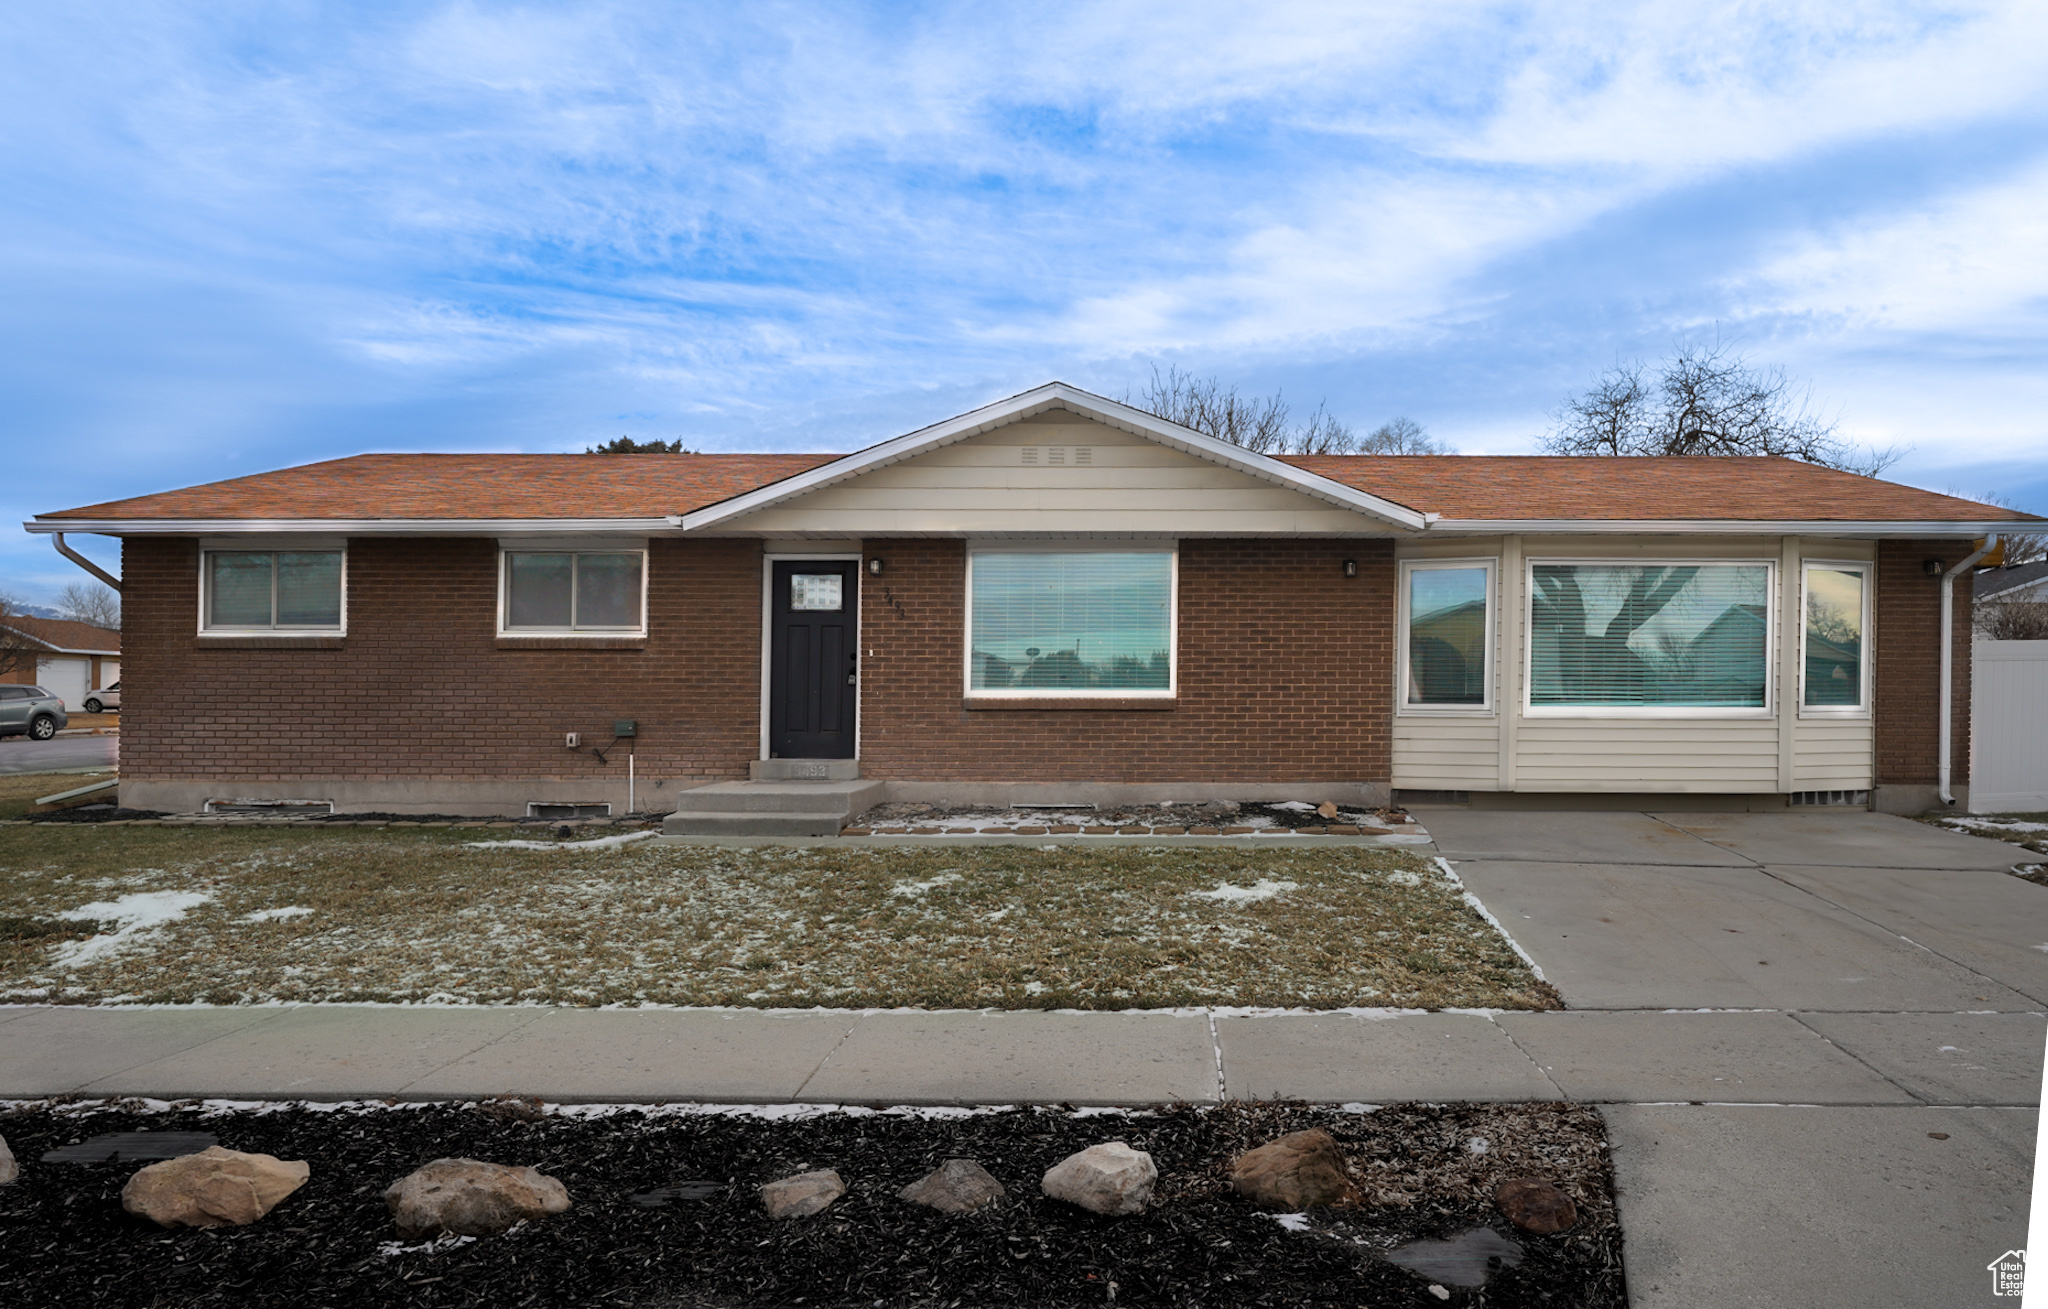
x=1055, y=454
x=1029, y=454
x=1084, y=454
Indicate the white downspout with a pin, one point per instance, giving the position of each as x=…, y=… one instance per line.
x=88, y=565
x=1948, y=623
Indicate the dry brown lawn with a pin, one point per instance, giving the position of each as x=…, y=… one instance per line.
x=255, y=915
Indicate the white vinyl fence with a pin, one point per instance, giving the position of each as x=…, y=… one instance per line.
x=2009, y=727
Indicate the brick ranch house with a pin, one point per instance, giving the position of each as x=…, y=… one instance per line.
x=1051, y=598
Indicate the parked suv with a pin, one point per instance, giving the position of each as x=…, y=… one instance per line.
x=31, y=709
x=107, y=697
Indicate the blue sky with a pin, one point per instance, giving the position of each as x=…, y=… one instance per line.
x=235, y=237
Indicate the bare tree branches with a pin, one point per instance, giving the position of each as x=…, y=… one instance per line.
x=1705, y=400
x=2013, y=620
x=16, y=650
x=90, y=602
x=1261, y=424
x=1401, y=436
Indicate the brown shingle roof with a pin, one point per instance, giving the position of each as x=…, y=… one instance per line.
x=62, y=633
x=470, y=486
x=1697, y=487
x=428, y=486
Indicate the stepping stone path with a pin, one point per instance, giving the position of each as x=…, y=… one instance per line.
x=214, y=1188
x=957, y=1186
x=1466, y=1260
x=802, y=1195
x=471, y=1198
x=1110, y=1178
x=1536, y=1207
x=1294, y=1172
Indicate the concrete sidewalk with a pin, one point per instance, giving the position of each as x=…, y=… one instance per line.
x=349, y=1052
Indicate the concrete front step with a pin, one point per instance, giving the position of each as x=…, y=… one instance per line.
x=771, y=808
x=848, y=797
x=804, y=770
x=752, y=823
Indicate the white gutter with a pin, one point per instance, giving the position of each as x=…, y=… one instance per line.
x=352, y=526
x=87, y=564
x=1948, y=622
x=1718, y=526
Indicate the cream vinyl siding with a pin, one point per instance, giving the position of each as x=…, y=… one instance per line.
x=1833, y=755
x=1654, y=754
x=1512, y=751
x=1447, y=754
x=1129, y=485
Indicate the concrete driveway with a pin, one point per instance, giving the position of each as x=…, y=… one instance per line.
x=1845, y=1114
x=18, y=754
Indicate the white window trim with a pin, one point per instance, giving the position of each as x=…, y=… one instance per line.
x=505, y=627
x=271, y=547
x=1868, y=570
x=1770, y=706
x=1486, y=708
x=1168, y=548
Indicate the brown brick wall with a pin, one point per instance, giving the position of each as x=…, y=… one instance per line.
x=1907, y=659
x=419, y=687
x=1285, y=675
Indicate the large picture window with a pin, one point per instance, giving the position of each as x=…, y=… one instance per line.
x=1676, y=637
x=1070, y=624
x=565, y=591
x=1834, y=674
x=1447, y=635
x=272, y=590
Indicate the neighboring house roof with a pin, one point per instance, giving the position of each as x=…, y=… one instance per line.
x=507, y=492
x=2023, y=578
x=62, y=636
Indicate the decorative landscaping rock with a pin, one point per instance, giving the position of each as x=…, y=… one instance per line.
x=1295, y=1172
x=214, y=1188
x=1536, y=1207
x=9, y=1170
x=802, y=1195
x=471, y=1198
x=1327, y=809
x=956, y=1186
x=1467, y=1259
x=1110, y=1178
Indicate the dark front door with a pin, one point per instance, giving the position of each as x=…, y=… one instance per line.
x=814, y=658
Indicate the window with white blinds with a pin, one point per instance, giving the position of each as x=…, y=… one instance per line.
x=1070, y=623
x=1662, y=637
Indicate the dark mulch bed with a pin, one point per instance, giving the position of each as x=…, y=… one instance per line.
x=93, y=813
x=68, y=1242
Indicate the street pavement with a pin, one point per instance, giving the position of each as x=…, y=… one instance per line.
x=18, y=754
x=1817, y=1042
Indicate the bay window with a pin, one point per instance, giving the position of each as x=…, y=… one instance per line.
x=1835, y=610
x=1070, y=623
x=1655, y=638
x=1447, y=635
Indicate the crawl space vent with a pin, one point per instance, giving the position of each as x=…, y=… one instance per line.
x=536, y=809
x=1857, y=799
x=270, y=808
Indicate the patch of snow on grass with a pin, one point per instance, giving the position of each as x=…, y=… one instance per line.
x=1228, y=893
x=1996, y=824
x=599, y=843
x=919, y=888
x=273, y=915
x=132, y=915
